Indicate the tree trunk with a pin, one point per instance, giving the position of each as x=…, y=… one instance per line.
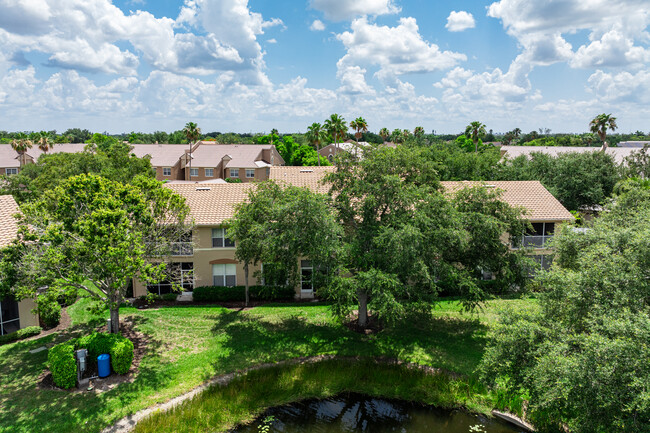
x=317, y=153
x=363, y=308
x=115, y=319
x=246, y=278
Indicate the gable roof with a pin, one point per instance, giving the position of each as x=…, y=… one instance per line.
x=212, y=204
x=302, y=176
x=8, y=157
x=530, y=194
x=162, y=155
x=243, y=155
x=8, y=224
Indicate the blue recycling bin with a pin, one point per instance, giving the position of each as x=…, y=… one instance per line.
x=104, y=365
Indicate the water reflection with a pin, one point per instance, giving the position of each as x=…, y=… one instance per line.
x=354, y=413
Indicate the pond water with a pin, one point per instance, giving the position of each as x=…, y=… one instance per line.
x=352, y=413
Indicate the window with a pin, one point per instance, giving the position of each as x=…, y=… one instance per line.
x=209, y=172
x=9, y=319
x=220, y=239
x=250, y=173
x=179, y=274
x=306, y=276
x=10, y=171
x=184, y=245
x=194, y=172
x=167, y=171
x=234, y=172
x=224, y=275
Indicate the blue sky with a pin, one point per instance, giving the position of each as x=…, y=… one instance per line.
x=249, y=66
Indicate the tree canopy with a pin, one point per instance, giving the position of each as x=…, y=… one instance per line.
x=96, y=235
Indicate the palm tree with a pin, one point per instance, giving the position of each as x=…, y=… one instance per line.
x=44, y=141
x=476, y=130
x=336, y=127
x=316, y=135
x=397, y=136
x=360, y=126
x=21, y=144
x=418, y=131
x=600, y=124
x=385, y=133
x=192, y=132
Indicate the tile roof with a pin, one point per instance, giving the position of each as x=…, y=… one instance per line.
x=540, y=204
x=212, y=204
x=619, y=153
x=162, y=155
x=243, y=155
x=35, y=152
x=8, y=157
x=8, y=224
x=302, y=176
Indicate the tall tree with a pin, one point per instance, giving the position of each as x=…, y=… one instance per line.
x=384, y=133
x=44, y=141
x=475, y=130
x=316, y=135
x=280, y=225
x=360, y=126
x=192, y=133
x=336, y=127
x=600, y=124
x=21, y=144
x=403, y=239
x=96, y=235
x=418, y=131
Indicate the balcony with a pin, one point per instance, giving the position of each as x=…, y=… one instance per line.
x=537, y=241
x=182, y=249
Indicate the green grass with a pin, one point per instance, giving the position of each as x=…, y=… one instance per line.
x=189, y=345
x=220, y=408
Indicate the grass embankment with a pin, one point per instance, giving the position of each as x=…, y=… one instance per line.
x=189, y=345
x=220, y=408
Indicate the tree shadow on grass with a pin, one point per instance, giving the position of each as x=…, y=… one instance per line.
x=450, y=343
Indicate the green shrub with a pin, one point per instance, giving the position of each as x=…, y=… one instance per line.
x=49, y=311
x=67, y=297
x=272, y=293
x=170, y=296
x=30, y=331
x=62, y=364
x=122, y=355
x=238, y=293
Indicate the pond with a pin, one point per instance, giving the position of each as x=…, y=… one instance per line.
x=352, y=413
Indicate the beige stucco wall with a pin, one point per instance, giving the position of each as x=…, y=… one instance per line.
x=27, y=318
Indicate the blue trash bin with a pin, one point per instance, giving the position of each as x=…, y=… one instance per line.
x=104, y=365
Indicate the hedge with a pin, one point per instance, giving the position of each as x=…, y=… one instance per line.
x=30, y=331
x=238, y=293
x=62, y=364
x=120, y=348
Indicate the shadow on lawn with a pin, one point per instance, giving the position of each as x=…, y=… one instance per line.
x=28, y=408
x=455, y=344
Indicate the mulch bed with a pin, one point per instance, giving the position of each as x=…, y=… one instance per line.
x=140, y=344
x=372, y=327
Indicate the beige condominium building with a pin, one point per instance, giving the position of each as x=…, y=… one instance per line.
x=13, y=315
x=207, y=257
x=171, y=162
x=210, y=161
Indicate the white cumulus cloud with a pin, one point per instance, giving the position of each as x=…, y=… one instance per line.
x=340, y=10
x=459, y=21
x=317, y=26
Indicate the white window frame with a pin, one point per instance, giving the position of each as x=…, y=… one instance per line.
x=234, y=172
x=221, y=273
x=11, y=171
x=250, y=173
x=210, y=171
x=221, y=233
x=194, y=170
x=167, y=171
x=311, y=281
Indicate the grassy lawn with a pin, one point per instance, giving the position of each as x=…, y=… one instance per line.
x=189, y=345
